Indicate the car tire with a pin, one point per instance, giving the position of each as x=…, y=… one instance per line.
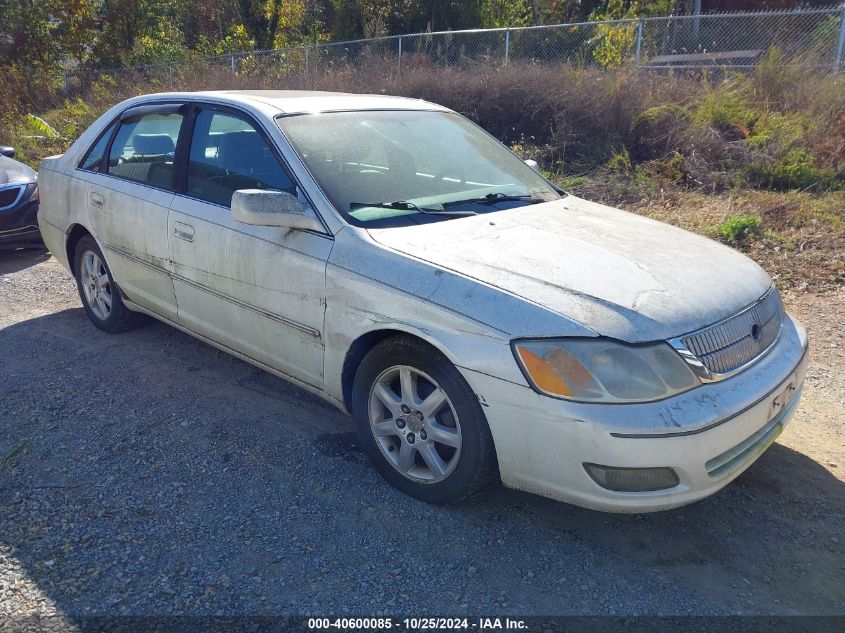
x=99, y=293
x=400, y=382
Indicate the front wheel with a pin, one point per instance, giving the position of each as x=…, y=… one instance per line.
x=98, y=291
x=420, y=422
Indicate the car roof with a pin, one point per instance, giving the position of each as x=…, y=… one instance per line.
x=304, y=101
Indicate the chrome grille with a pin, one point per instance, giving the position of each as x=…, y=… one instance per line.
x=728, y=345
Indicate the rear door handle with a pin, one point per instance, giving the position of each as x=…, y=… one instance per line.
x=183, y=231
x=96, y=199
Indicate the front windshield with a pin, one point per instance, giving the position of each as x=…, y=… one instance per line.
x=394, y=167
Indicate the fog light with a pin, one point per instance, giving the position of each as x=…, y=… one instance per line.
x=632, y=479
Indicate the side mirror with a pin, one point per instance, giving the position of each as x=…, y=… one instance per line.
x=533, y=164
x=9, y=152
x=260, y=207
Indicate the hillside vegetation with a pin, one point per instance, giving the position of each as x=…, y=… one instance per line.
x=756, y=160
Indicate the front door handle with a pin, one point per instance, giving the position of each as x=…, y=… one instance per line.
x=96, y=199
x=183, y=231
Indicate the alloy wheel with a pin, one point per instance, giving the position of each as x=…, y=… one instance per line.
x=414, y=424
x=96, y=285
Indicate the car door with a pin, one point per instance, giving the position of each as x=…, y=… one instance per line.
x=259, y=291
x=129, y=195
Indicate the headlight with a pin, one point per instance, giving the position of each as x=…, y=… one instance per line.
x=603, y=370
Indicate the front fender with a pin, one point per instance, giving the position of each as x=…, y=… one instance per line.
x=356, y=306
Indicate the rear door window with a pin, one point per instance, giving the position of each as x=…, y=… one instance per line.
x=144, y=148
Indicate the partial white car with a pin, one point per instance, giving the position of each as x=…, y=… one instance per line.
x=393, y=258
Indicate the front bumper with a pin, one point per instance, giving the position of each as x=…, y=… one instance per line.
x=19, y=225
x=708, y=435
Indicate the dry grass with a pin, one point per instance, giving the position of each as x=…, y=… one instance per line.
x=574, y=119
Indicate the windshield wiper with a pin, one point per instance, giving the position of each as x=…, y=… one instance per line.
x=404, y=205
x=498, y=196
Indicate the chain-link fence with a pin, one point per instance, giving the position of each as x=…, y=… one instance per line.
x=810, y=37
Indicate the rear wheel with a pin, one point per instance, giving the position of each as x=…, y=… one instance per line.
x=420, y=423
x=98, y=291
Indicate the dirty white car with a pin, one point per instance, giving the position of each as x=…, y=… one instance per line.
x=398, y=261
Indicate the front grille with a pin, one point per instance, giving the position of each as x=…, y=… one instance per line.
x=10, y=195
x=736, y=341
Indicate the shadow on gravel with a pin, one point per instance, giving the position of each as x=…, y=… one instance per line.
x=162, y=476
x=11, y=261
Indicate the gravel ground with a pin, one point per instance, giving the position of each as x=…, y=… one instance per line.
x=160, y=476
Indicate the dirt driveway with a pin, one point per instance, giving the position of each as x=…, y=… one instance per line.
x=157, y=475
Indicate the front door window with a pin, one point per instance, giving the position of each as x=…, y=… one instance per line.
x=227, y=154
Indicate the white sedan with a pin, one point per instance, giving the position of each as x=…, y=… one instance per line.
x=393, y=258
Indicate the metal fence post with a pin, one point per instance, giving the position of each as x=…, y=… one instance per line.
x=232, y=63
x=639, y=40
x=399, y=59
x=840, y=45
x=696, y=23
x=170, y=76
x=507, y=45
x=307, y=59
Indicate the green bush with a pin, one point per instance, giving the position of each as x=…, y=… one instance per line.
x=796, y=170
x=613, y=43
x=573, y=181
x=658, y=130
x=620, y=163
x=670, y=169
x=779, y=129
x=737, y=228
x=727, y=108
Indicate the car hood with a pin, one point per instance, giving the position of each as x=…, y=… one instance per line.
x=620, y=274
x=12, y=171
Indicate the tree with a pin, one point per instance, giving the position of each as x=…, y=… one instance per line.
x=76, y=22
x=503, y=13
x=448, y=15
x=372, y=18
x=209, y=21
x=27, y=36
x=299, y=21
x=138, y=31
x=261, y=19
